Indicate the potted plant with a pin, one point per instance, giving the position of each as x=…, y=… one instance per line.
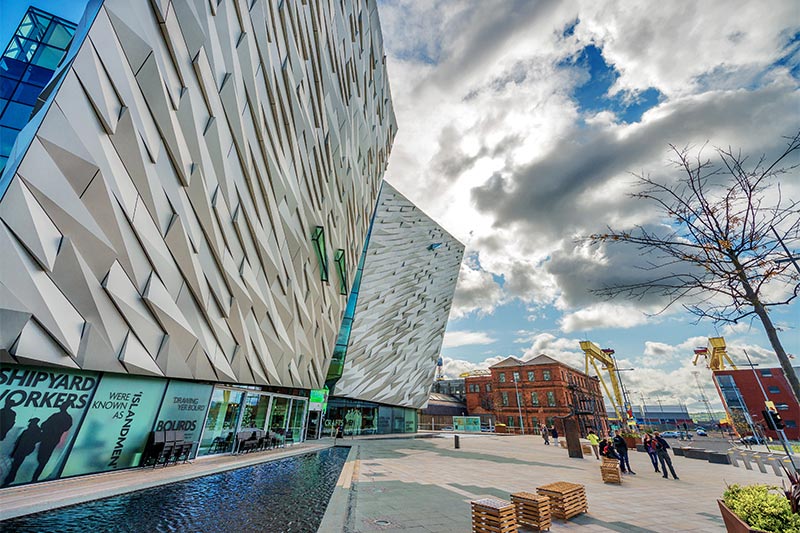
x=757, y=509
x=631, y=440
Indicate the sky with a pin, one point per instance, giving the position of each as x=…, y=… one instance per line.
x=520, y=125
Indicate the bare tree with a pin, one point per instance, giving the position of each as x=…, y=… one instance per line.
x=717, y=252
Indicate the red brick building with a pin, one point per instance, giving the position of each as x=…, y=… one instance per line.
x=547, y=389
x=740, y=391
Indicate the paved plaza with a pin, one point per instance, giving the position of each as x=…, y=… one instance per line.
x=425, y=485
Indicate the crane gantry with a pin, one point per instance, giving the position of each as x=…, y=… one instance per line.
x=595, y=355
x=715, y=354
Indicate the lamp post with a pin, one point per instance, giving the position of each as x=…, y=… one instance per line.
x=519, y=403
x=780, y=432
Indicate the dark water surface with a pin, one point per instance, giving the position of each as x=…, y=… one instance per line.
x=288, y=495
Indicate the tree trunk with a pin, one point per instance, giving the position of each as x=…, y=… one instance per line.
x=772, y=335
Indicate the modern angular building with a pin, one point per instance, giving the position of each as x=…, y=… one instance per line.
x=744, y=392
x=391, y=336
x=182, y=221
x=26, y=67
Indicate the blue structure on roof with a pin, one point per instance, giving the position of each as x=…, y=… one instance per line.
x=26, y=67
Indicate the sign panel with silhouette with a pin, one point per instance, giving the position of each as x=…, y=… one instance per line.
x=40, y=410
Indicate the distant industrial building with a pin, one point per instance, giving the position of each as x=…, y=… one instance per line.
x=440, y=411
x=660, y=417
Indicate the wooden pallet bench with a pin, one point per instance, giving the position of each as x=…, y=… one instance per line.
x=532, y=510
x=610, y=471
x=492, y=515
x=566, y=499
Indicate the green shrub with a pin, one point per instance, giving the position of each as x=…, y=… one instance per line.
x=761, y=508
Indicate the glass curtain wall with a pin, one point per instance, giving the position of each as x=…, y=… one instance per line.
x=279, y=415
x=296, y=421
x=222, y=421
x=256, y=410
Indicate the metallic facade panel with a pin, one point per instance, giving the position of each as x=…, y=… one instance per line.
x=165, y=205
x=408, y=281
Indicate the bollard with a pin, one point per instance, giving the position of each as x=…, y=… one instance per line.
x=457, y=443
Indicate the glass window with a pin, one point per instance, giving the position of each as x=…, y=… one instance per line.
x=278, y=418
x=510, y=420
x=549, y=421
x=766, y=372
x=504, y=398
x=516, y=377
x=318, y=238
x=223, y=414
x=341, y=268
x=7, y=87
x=502, y=377
x=551, y=398
x=488, y=387
x=58, y=35
x=47, y=57
x=16, y=115
x=534, y=398
x=27, y=93
x=774, y=390
x=790, y=424
x=256, y=407
x=531, y=375
x=546, y=375
x=782, y=406
x=296, y=421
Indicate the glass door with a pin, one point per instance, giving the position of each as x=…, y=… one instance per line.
x=220, y=428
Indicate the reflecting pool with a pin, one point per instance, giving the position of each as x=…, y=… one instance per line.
x=288, y=495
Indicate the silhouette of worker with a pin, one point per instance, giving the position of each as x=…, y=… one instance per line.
x=24, y=446
x=7, y=418
x=52, y=430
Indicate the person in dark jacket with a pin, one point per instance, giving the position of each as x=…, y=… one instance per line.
x=554, y=434
x=649, y=444
x=607, y=448
x=621, y=447
x=662, y=450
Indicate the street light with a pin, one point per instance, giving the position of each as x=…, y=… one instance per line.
x=519, y=404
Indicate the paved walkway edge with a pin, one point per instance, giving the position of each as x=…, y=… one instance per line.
x=38, y=497
x=339, y=513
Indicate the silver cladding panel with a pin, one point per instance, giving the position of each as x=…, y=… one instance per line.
x=403, y=305
x=160, y=221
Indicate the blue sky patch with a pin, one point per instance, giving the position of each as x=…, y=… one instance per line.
x=592, y=95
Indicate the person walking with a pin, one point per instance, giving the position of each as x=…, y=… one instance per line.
x=662, y=450
x=649, y=444
x=545, y=435
x=594, y=441
x=554, y=434
x=621, y=447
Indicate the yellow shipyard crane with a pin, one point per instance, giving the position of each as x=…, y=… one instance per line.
x=595, y=355
x=715, y=354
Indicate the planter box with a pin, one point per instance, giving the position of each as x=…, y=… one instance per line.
x=678, y=451
x=696, y=453
x=641, y=448
x=719, y=458
x=733, y=523
x=632, y=442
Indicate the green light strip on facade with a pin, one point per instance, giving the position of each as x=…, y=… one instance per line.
x=318, y=238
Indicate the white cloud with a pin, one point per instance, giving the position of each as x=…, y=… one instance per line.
x=453, y=368
x=454, y=339
x=603, y=315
